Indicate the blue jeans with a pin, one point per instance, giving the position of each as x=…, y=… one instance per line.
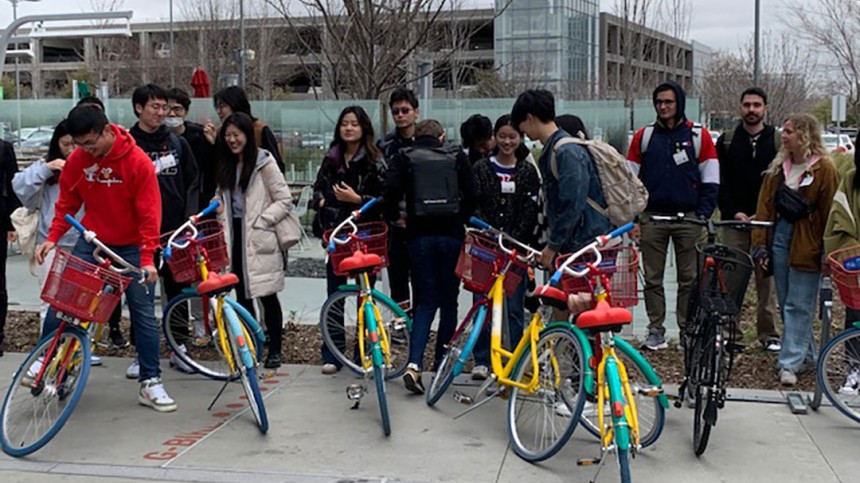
x=141, y=304
x=796, y=291
x=434, y=259
x=515, y=305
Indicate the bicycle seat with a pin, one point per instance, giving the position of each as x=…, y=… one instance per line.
x=217, y=283
x=359, y=262
x=551, y=296
x=604, y=318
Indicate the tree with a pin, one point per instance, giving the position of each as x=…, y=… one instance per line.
x=831, y=28
x=365, y=48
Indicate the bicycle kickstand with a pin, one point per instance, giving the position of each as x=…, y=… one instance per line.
x=218, y=395
x=482, y=391
x=600, y=462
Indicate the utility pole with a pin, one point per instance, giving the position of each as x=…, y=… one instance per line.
x=757, y=71
x=172, y=49
x=242, y=44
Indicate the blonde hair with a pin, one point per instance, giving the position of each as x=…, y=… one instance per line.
x=808, y=132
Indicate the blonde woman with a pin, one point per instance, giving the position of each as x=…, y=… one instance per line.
x=796, y=195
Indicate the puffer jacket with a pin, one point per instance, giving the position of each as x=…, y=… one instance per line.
x=267, y=202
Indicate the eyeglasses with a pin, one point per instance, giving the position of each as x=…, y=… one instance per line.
x=396, y=111
x=175, y=109
x=88, y=144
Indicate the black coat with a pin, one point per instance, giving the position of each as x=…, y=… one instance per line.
x=8, y=201
x=514, y=213
x=364, y=176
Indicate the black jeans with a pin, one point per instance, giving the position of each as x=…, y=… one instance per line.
x=399, y=264
x=272, y=314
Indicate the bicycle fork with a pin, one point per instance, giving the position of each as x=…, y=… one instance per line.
x=355, y=391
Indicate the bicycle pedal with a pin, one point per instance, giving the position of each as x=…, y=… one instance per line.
x=650, y=391
x=354, y=392
x=587, y=461
x=462, y=398
x=735, y=348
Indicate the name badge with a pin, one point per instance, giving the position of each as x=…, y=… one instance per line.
x=680, y=157
x=509, y=187
x=164, y=163
x=806, y=181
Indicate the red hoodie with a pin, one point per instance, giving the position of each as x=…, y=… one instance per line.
x=119, y=193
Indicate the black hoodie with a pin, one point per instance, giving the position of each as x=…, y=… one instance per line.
x=178, y=179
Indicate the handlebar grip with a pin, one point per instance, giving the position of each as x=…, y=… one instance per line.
x=556, y=277
x=621, y=230
x=480, y=223
x=210, y=209
x=168, y=251
x=75, y=223
x=368, y=205
x=330, y=248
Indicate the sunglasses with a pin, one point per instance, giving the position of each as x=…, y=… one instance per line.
x=402, y=110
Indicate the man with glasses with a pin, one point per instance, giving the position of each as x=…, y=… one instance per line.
x=113, y=180
x=404, y=110
x=178, y=102
x=178, y=180
x=677, y=162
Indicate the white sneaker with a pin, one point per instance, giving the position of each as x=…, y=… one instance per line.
x=787, y=378
x=562, y=410
x=589, y=409
x=480, y=373
x=152, y=394
x=32, y=372
x=852, y=383
x=179, y=364
x=133, y=371
x=95, y=360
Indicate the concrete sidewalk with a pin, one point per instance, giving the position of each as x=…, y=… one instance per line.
x=315, y=437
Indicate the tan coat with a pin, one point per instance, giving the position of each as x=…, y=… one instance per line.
x=267, y=201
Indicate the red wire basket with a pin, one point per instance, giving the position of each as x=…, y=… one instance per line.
x=480, y=261
x=183, y=261
x=845, y=272
x=82, y=289
x=372, y=238
x=620, y=264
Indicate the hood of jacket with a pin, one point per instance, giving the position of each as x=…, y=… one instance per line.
x=123, y=145
x=150, y=141
x=680, y=99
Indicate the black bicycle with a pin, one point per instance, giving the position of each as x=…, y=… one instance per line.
x=711, y=336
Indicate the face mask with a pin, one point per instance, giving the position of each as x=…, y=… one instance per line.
x=173, y=122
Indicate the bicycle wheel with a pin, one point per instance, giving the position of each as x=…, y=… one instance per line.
x=192, y=339
x=838, y=371
x=651, y=414
x=32, y=416
x=339, y=327
x=453, y=362
x=624, y=465
x=246, y=369
x=541, y=421
x=382, y=399
x=703, y=378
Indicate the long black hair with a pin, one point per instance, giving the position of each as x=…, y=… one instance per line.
x=235, y=98
x=54, y=151
x=227, y=161
x=522, y=151
x=367, y=140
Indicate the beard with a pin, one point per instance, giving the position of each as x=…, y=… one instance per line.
x=752, y=119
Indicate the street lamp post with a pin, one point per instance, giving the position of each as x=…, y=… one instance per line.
x=242, y=43
x=757, y=69
x=172, y=48
x=18, y=72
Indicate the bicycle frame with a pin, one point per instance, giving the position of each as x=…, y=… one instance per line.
x=375, y=331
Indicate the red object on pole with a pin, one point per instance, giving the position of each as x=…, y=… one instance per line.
x=200, y=83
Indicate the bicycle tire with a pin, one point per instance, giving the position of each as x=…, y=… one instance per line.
x=704, y=398
x=18, y=446
x=654, y=424
x=564, y=403
x=624, y=465
x=246, y=369
x=396, y=329
x=839, y=359
x=382, y=399
x=454, y=360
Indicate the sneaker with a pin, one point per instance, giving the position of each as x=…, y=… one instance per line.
x=480, y=373
x=772, y=345
x=852, y=383
x=589, y=409
x=133, y=371
x=330, y=369
x=95, y=360
x=117, y=341
x=273, y=361
x=563, y=410
x=177, y=363
x=32, y=372
x=152, y=394
x=787, y=378
x=655, y=341
x=412, y=379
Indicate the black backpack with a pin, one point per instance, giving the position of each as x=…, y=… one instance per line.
x=433, y=181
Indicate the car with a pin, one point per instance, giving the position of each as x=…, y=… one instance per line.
x=38, y=139
x=838, y=143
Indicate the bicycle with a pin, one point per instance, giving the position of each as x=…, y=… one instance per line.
x=598, y=268
x=710, y=337
x=839, y=362
x=542, y=378
x=375, y=344
x=50, y=381
x=193, y=252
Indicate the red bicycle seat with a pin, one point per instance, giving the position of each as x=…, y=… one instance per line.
x=216, y=283
x=360, y=261
x=552, y=296
x=603, y=317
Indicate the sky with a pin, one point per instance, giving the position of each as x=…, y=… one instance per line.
x=720, y=24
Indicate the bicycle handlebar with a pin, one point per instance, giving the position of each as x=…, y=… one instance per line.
x=502, y=236
x=350, y=220
x=90, y=237
x=738, y=224
x=600, y=242
x=189, y=224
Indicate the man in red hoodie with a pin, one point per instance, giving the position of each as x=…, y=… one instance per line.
x=113, y=179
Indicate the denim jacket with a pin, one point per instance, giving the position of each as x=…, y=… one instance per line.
x=572, y=222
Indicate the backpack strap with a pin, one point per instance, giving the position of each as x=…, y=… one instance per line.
x=697, y=140
x=553, y=166
x=646, y=138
